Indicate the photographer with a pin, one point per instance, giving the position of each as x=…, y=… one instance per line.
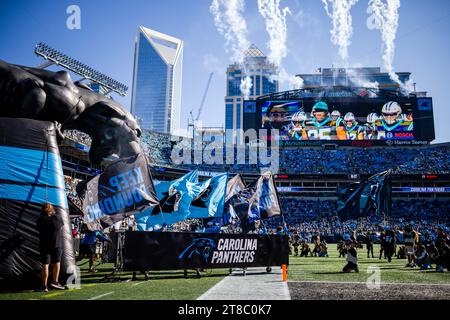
x=305, y=250
x=352, y=259
x=296, y=242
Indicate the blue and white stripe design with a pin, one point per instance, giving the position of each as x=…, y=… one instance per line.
x=31, y=176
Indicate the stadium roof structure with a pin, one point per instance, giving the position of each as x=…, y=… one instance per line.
x=332, y=92
x=56, y=57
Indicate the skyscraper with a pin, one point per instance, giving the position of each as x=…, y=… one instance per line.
x=257, y=67
x=157, y=79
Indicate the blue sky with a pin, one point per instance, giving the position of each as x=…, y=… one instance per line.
x=109, y=28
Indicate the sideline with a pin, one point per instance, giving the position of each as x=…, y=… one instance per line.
x=256, y=285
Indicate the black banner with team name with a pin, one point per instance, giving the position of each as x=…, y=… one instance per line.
x=176, y=250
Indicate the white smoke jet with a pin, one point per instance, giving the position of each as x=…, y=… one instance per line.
x=246, y=87
x=275, y=20
x=276, y=27
x=342, y=24
x=360, y=80
x=231, y=24
x=386, y=18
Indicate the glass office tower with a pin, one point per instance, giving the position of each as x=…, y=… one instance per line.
x=157, y=80
x=259, y=69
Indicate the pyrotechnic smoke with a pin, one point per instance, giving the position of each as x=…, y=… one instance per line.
x=275, y=20
x=386, y=18
x=342, y=24
x=246, y=87
x=361, y=80
x=231, y=24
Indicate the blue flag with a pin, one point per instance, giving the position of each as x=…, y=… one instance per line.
x=175, y=198
x=362, y=199
x=211, y=200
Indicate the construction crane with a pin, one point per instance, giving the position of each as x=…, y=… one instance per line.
x=193, y=121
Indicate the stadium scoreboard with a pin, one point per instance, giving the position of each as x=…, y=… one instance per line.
x=344, y=120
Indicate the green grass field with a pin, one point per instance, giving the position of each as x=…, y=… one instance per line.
x=169, y=285
x=330, y=269
x=173, y=285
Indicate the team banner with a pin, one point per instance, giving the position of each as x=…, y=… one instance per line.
x=269, y=205
x=244, y=204
x=124, y=188
x=177, y=251
x=175, y=199
x=211, y=200
x=372, y=196
x=257, y=201
x=234, y=186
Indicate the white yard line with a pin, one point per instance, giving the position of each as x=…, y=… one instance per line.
x=136, y=284
x=101, y=296
x=382, y=283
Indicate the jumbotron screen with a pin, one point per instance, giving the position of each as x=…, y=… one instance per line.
x=344, y=119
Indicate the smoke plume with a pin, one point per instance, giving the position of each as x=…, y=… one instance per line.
x=276, y=27
x=385, y=18
x=231, y=24
x=342, y=25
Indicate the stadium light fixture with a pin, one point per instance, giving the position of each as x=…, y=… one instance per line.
x=79, y=68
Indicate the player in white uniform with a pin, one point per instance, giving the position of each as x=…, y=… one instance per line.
x=297, y=129
x=392, y=124
x=370, y=128
x=351, y=129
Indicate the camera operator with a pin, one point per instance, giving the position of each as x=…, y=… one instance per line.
x=352, y=258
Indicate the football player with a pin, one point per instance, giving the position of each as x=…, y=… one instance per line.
x=369, y=128
x=336, y=118
x=392, y=122
x=297, y=129
x=319, y=127
x=351, y=130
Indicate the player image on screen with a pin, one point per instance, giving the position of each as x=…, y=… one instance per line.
x=276, y=117
x=392, y=124
x=319, y=127
x=369, y=129
x=351, y=130
x=297, y=129
x=336, y=118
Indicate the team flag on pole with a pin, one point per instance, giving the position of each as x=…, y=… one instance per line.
x=210, y=202
x=175, y=199
x=124, y=188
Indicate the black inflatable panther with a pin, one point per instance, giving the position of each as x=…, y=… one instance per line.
x=52, y=96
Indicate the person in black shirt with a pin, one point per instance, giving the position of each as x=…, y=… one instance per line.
x=369, y=245
x=50, y=226
x=352, y=259
x=382, y=245
x=389, y=243
x=296, y=242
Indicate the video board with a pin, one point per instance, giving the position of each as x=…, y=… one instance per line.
x=344, y=119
